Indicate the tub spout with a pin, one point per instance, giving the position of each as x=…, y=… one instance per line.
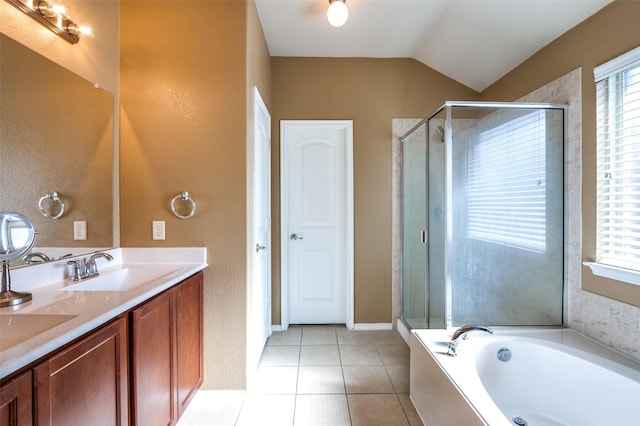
x=461, y=334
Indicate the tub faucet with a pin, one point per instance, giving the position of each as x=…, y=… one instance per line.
x=461, y=334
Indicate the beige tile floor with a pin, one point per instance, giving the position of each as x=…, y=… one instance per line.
x=318, y=376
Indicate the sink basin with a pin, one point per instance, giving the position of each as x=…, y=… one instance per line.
x=16, y=328
x=121, y=279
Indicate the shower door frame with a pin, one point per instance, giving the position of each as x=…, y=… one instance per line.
x=424, y=121
x=447, y=107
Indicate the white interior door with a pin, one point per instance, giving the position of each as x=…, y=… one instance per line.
x=317, y=222
x=260, y=295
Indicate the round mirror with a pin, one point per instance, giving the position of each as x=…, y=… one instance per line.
x=16, y=235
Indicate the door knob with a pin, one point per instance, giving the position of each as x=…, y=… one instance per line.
x=296, y=237
x=259, y=247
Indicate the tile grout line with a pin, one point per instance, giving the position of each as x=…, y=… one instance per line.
x=344, y=381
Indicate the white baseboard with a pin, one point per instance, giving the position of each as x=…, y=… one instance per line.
x=373, y=326
x=363, y=326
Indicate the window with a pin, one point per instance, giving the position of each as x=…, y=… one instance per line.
x=506, y=185
x=618, y=156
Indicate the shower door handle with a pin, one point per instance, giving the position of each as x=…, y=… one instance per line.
x=423, y=237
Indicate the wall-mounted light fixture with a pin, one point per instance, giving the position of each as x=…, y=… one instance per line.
x=53, y=15
x=337, y=13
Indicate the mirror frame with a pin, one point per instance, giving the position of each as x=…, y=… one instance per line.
x=5, y=235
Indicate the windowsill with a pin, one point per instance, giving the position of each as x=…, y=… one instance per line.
x=612, y=272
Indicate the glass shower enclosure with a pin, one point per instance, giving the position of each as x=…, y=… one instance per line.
x=482, y=216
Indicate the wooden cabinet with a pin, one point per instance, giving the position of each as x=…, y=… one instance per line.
x=151, y=360
x=189, y=340
x=142, y=368
x=167, y=353
x=15, y=401
x=85, y=383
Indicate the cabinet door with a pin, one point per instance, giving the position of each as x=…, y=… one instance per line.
x=86, y=383
x=15, y=401
x=190, y=341
x=151, y=362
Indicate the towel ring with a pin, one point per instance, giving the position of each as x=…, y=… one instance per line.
x=184, y=196
x=53, y=196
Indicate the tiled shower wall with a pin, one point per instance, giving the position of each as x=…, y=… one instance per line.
x=608, y=321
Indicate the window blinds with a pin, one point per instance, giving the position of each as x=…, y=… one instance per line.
x=506, y=186
x=618, y=144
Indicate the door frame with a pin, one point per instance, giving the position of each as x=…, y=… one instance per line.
x=347, y=126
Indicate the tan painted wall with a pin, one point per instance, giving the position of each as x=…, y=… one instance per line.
x=370, y=92
x=611, y=32
x=184, y=128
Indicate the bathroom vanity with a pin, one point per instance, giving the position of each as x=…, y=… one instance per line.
x=126, y=348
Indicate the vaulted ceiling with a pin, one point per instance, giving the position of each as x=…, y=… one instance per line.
x=472, y=41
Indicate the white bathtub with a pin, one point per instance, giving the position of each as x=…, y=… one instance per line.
x=554, y=377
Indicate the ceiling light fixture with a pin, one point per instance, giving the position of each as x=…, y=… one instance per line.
x=337, y=14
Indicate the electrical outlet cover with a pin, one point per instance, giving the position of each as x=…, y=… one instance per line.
x=158, y=230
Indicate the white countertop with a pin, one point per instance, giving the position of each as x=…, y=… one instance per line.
x=155, y=269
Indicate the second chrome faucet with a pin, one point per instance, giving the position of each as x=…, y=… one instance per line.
x=86, y=267
x=461, y=334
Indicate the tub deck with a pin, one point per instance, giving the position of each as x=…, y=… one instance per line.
x=451, y=391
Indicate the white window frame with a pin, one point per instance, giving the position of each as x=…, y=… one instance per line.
x=609, y=241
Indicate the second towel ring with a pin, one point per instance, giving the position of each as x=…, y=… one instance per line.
x=184, y=196
x=53, y=196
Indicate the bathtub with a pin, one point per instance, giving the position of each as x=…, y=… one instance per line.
x=545, y=377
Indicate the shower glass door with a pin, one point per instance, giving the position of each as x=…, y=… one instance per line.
x=414, y=218
x=503, y=204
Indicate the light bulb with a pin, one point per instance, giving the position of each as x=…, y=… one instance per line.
x=45, y=9
x=84, y=30
x=337, y=14
x=61, y=10
x=75, y=29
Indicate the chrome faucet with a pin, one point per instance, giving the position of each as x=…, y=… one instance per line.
x=90, y=266
x=36, y=257
x=86, y=267
x=461, y=334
